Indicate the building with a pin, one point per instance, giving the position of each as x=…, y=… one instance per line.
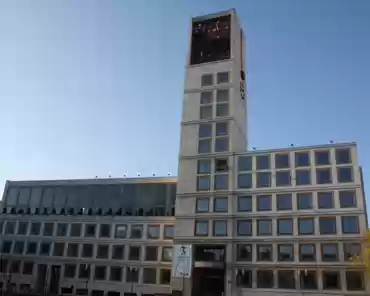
x=274, y=222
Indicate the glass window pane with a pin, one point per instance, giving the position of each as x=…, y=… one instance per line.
x=202, y=205
x=220, y=228
x=201, y=228
x=222, y=128
x=282, y=161
x=303, y=177
x=264, y=203
x=245, y=181
x=263, y=179
x=263, y=162
x=302, y=159
x=204, y=166
x=325, y=200
x=345, y=174
x=245, y=163
x=304, y=201
x=222, y=95
x=206, y=97
x=222, y=77
x=343, y=155
x=204, y=146
x=205, y=130
x=203, y=183
x=222, y=110
x=222, y=144
x=347, y=199
x=322, y=157
x=245, y=227
x=205, y=112
x=284, y=202
x=245, y=203
x=283, y=178
x=221, y=182
x=220, y=204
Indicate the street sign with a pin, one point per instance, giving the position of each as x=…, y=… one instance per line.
x=182, y=261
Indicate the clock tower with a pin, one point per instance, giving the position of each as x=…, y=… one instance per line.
x=213, y=130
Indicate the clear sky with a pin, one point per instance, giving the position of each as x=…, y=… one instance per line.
x=91, y=87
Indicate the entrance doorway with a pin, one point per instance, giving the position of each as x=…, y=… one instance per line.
x=208, y=281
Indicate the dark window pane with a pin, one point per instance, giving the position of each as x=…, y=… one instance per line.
x=220, y=228
x=151, y=253
x=62, y=229
x=244, y=252
x=205, y=112
x=205, y=130
x=286, y=279
x=204, y=146
x=244, y=278
x=345, y=174
x=102, y=252
x=284, y=202
x=264, y=203
x=329, y=252
x=220, y=204
x=10, y=227
x=302, y=159
x=307, y=252
x=204, y=166
x=222, y=77
x=222, y=95
x=322, y=157
x=263, y=162
x=134, y=253
x=222, y=129
x=245, y=163
x=202, y=205
x=351, y=251
x=45, y=248
x=308, y=279
x=90, y=230
x=325, y=200
x=104, y=230
x=22, y=228
x=355, y=281
x=136, y=231
x=118, y=252
x=323, y=176
x=264, y=227
x=331, y=280
x=168, y=231
x=304, y=201
x=201, y=228
x=265, y=279
x=303, y=177
x=221, y=181
x=263, y=179
x=203, y=183
x=222, y=144
x=286, y=252
x=343, y=155
x=222, y=110
x=149, y=276
x=285, y=226
x=207, y=79
x=283, y=178
x=347, y=199
x=306, y=226
x=328, y=225
x=282, y=161
x=35, y=228
x=18, y=247
x=264, y=252
x=245, y=181
x=206, y=97
x=245, y=228
x=350, y=224
x=245, y=203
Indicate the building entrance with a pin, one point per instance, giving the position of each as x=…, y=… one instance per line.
x=208, y=281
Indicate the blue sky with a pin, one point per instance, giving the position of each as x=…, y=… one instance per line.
x=91, y=87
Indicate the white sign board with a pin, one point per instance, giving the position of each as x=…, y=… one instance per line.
x=182, y=261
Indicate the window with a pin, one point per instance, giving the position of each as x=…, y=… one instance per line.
x=153, y=231
x=121, y=231
x=329, y=252
x=201, y=228
x=205, y=112
x=31, y=248
x=355, y=281
x=222, y=129
x=222, y=95
x=351, y=250
x=220, y=228
x=204, y=166
x=307, y=252
x=15, y=266
x=244, y=278
x=286, y=279
x=350, y=224
x=222, y=77
x=100, y=273
x=325, y=200
x=265, y=279
x=285, y=226
x=22, y=228
x=245, y=203
x=84, y=271
x=90, y=230
x=72, y=250
x=264, y=203
x=308, y=279
x=220, y=204
x=58, y=249
x=245, y=227
x=10, y=227
x=75, y=230
x=245, y=181
x=167, y=254
x=203, y=183
x=62, y=229
x=45, y=248
x=283, y=178
x=264, y=227
x=102, y=252
x=205, y=130
x=282, y=161
x=168, y=231
x=306, y=226
x=165, y=276
x=35, y=228
x=328, y=225
x=204, y=146
x=245, y=163
x=104, y=230
x=118, y=252
x=331, y=280
x=221, y=181
x=244, y=252
x=3, y=265
x=347, y=199
x=6, y=247
x=202, y=205
x=264, y=252
x=207, y=79
x=343, y=155
x=322, y=157
x=18, y=247
x=206, y=97
x=304, y=201
x=263, y=179
x=87, y=250
x=303, y=177
x=151, y=253
x=286, y=252
x=344, y=174
x=27, y=268
x=302, y=159
x=82, y=292
x=222, y=144
x=284, y=202
x=221, y=165
x=134, y=253
x=136, y=231
x=48, y=229
x=323, y=176
x=263, y=162
x=149, y=276
x=116, y=273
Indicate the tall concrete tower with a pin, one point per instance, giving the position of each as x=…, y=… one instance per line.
x=213, y=129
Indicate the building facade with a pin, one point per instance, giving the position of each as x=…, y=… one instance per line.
x=274, y=222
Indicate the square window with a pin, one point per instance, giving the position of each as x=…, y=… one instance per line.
x=245, y=227
x=265, y=279
x=204, y=166
x=121, y=231
x=283, y=178
x=286, y=279
x=343, y=156
x=201, y=228
x=219, y=228
x=245, y=163
x=204, y=146
x=202, y=205
x=282, y=161
x=136, y=231
x=220, y=204
x=350, y=225
x=153, y=231
x=352, y=250
x=75, y=230
x=118, y=252
x=304, y=201
x=4, y=265
x=325, y=200
x=221, y=181
x=132, y=275
x=245, y=203
x=168, y=231
x=22, y=228
x=222, y=129
x=331, y=280
x=59, y=249
x=222, y=77
x=355, y=281
x=90, y=230
x=87, y=250
x=72, y=250
x=221, y=165
x=322, y=157
x=84, y=271
x=27, y=267
x=203, y=183
x=307, y=252
x=62, y=229
x=264, y=252
x=264, y=203
x=207, y=80
x=308, y=279
x=347, y=199
x=264, y=227
x=69, y=270
x=48, y=229
x=104, y=230
x=306, y=226
x=329, y=252
x=205, y=130
x=165, y=276
x=15, y=266
x=323, y=176
x=245, y=181
x=167, y=254
x=103, y=251
x=10, y=227
x=222, y=95
x=286, y=252
x=18, y=247
x=244, y=252
x=151, y=253
x=284, y=202
x=263, y=179
x=303, y=177
x=205, y=112
x=328, y=225
x=222, y=110
x=100, y=273
x=263, y=162
x=45, y=248
x=345, y=174
x=31, y=248
x=302, y=159
x=244, y=278
x=206, y=97
x=134, y=253
x=285, y=226
x=149, y=276
x=222, y=144
x=35, y=228
x=116, y=273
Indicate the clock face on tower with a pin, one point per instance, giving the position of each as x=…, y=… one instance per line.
x=210, y=40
